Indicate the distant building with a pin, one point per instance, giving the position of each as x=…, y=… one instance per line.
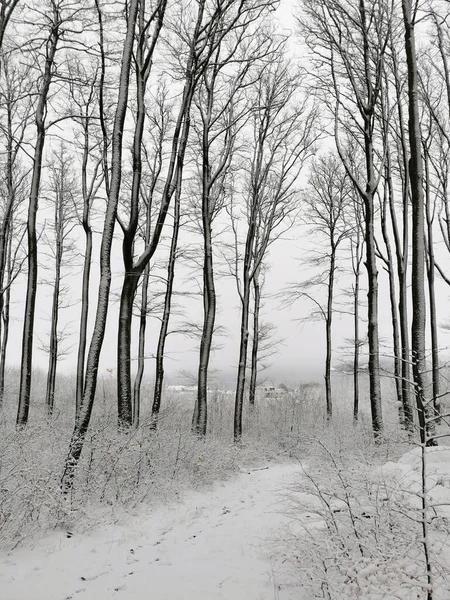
x=270, y=391
x=181, y=388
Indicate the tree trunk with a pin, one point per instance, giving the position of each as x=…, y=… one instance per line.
x=245, y=306
x=199, y=420
x=356, y=345
x=6, y=10
x=372, y=296
x=418, y=230
x=328, y=331
x=53, y=346
x=82, y=340
x=6, y=231
x=143, y=313
x=371, y=261
x=401, y=250
x=124, y=405
x=5, y=316
x=388, y=192
x=164, y=330
x=91, y=373
x=431, y=266
x=26, y=364
x=131, y=277
x=173, y=184
x=141, y=348
x=242, y=367
x=255, y=339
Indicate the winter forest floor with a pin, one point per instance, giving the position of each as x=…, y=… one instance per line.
x=211, y=545
x=301, y=510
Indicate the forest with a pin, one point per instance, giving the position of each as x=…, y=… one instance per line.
x=151, y=150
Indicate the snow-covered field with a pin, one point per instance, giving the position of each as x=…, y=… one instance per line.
x=213, y=545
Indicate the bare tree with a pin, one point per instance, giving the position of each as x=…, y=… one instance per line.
x=431, y=201
x=149, y=28
x=256, y=336
x=435, y=94
x=84, y=83
x=223, y=112
x=167, y=307
x=54, y=28
x=196, y=46
x=396, y=168
x=15, y=117
x=418, y=335
x=60, y=243
x=325, y=207
x=386, y=201
x=160, y=122
x=264, y=341
x=349, y=42
x=282, y=137
x=357, y=255
x=91, y=371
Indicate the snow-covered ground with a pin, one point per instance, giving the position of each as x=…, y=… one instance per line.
x=219, y=544
x=240, y=540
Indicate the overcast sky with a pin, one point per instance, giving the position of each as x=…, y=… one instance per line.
x=299, y=356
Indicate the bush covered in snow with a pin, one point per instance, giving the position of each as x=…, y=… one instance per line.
x=120, y=471
x=362, y=534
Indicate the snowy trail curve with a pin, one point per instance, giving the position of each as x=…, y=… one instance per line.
x=213, y=545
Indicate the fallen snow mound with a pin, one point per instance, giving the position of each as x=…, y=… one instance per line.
x=406, y=474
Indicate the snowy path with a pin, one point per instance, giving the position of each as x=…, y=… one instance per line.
x=213, y=545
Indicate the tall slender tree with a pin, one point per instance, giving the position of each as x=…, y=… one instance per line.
x=92, y=177
x=60, y=244
x=430, y=212
x=54, y=26
x=396, y=168
x=357, y=256
x=418, y=330
x=149, y=29
x=91, y=372
x=223, y=113
x=283, y=125
x=326, y=204
x=16, y=113
x=349, y=42
x=160, y=122
x=197, y=49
